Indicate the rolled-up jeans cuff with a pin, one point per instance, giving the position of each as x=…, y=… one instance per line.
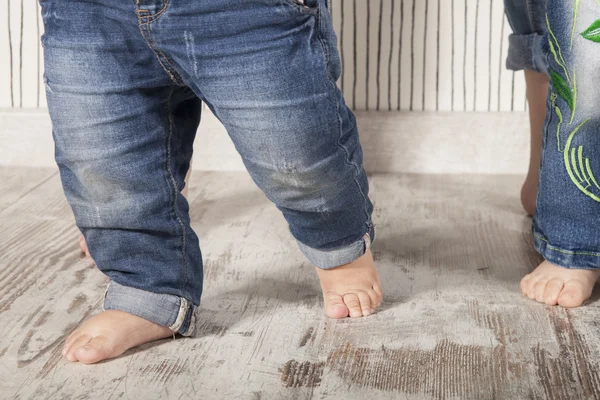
x=176, y=313
x=525, y=52
x=328, y=259
x=566, y=258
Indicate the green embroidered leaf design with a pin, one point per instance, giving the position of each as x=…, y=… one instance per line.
x=593, y=32
x=562, y=88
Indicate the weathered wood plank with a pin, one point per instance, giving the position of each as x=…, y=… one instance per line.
x=15, y=182
x=450, y=249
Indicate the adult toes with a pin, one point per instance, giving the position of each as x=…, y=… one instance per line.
x=335, y=307
x=353, y=303
x=574, y=293
x=553, y=289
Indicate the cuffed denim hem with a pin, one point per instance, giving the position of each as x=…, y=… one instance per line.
x=168, y=310
x=572, y=259
x=328, y=259
x=525, y=52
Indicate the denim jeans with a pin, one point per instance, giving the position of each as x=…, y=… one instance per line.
x=567, y=216
x=125, y=82
x=527, y=19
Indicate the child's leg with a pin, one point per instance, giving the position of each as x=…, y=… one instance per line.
x=186, y=182
x=567, y=213
x=528, y=21
x=537, y=91
x=123, y=133
x=184, y=192
x=268, y=70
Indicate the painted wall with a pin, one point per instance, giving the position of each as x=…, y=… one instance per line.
x=434, y=55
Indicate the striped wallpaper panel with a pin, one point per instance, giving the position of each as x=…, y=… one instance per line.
x=434, y=55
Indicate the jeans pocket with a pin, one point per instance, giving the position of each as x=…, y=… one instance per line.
x=329, y=41
x=305, y=6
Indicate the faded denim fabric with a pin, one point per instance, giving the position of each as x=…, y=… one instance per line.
x=125, y=82
x=527, y=19
x=567, y=213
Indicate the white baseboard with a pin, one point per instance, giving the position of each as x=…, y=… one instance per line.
x=418, y=142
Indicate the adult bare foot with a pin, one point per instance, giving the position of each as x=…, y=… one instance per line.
x=352, y=289
x=109, y=334
x=553, y=285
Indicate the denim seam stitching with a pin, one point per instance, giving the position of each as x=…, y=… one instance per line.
x=171, y=70
x=569, y=252
x=145, y=29
x=154, y=17
x=338, y=120
x=160, y=12
x=174, y=191
x=325, y=52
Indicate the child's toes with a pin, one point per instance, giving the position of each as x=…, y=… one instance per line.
x=70, y=340
x=365, y=303
x=525, y=283
x=353, y=303
x=378, y=291
x=540, y=290
x=530, y=287
x=574, y=293
x=553, y=284
x=81, y=341
x=335, y=307
x=94, y=351
x=375, y=300
x=553, y=289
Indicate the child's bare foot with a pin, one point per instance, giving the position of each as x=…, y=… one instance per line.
x=109, y=334
x=352, y=289
x=553, y=285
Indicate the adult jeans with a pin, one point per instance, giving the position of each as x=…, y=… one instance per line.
x=125, y=82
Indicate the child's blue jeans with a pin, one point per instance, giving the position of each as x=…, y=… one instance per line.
x=564, y=41
x=125, y=81
x=527, y=19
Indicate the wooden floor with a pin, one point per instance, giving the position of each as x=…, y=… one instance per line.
x=450, y=251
